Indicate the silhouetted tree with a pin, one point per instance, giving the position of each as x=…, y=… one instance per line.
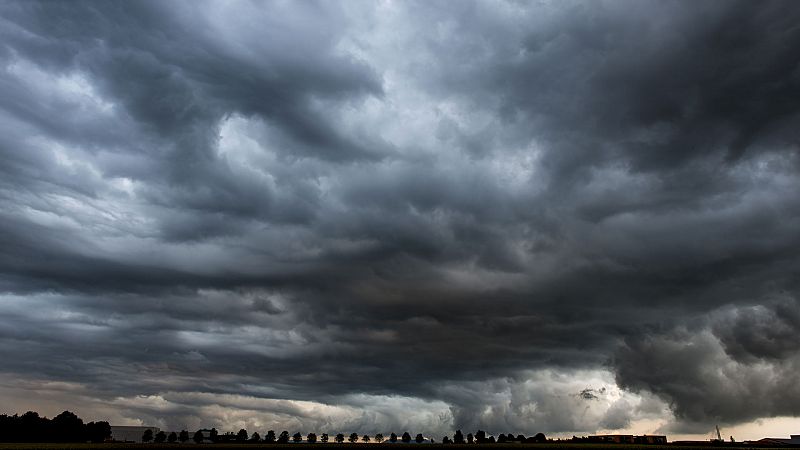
x=470, y=438
x=419, y=438
x=458, y=438
x=297, y=437
x=270, y=438
x=365, y=438
x=521, y=438
x=339, y=438
x=324, y=438
x=183, y=436
x=147, y=436
x=446, y=440
x=353, y=437
x=198, y=437
x=378, y=438
x=283, y=438
x=491, y=440
x=97, y=431
x=255, y=437
x=21, y=428
x=501, y=439
x=392, y=438
x=160, y=437
x=480, y=437
x=213, y=435
x=173, y=437
x=540, y=438
x=406, y=437
x=241, y=436
x=67, y=427
x=311, y=438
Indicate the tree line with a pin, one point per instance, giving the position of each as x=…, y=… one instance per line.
x=65, y=427
x=68, y=427
x=311, y=438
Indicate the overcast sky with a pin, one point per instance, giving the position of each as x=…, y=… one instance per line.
x=380, y=216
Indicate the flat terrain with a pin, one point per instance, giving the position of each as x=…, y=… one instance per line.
x=550, y=445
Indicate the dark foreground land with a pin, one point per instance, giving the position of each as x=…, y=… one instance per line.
x=546, y=446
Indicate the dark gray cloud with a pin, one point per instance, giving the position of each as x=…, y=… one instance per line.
x=329, y=215
x=741, y=362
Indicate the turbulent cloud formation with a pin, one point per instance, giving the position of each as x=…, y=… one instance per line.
x=367, y=216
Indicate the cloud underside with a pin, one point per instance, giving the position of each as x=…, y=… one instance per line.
x=580, y=216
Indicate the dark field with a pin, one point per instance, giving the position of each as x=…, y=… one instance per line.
x=552, y=445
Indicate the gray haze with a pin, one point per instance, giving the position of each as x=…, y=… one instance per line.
x=370, y=216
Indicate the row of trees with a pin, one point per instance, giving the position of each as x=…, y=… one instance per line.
x=65, y=427
x=243, y=437
x=68, y=427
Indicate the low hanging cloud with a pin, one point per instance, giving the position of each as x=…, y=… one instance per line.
x=741, y=366
x=560, y=217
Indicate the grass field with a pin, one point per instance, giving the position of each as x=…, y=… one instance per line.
x=549, y=445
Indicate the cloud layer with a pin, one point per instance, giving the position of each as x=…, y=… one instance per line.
x=580, y=216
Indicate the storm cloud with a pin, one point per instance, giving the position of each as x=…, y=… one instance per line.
x=367, y=216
